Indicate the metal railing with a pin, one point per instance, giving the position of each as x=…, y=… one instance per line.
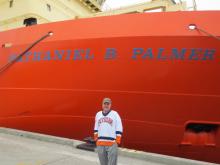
x=100, y=2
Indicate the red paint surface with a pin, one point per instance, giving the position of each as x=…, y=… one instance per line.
x=155, y=98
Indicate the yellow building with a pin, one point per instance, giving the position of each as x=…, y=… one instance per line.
x=15, y=13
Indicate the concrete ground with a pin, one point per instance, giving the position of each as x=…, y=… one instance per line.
x=25, y=148
x=16, y=150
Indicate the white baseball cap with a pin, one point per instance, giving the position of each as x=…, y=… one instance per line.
x=107, y=100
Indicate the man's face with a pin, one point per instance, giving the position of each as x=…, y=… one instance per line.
x=106, y=106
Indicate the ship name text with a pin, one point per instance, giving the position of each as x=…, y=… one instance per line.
x=192, y=54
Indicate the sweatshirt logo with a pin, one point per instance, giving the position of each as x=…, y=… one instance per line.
x=105, y=120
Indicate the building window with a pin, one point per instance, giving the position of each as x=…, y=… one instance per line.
x=48, y=7
x=11, y=3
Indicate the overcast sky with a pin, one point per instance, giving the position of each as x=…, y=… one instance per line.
x=201, y=4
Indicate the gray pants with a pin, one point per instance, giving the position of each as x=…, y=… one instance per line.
x=108, y=155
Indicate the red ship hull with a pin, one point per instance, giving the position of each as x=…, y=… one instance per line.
x=162, y=77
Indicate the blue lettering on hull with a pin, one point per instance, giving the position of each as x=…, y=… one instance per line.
x=160, y=54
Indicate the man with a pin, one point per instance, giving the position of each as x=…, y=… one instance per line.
x=107, y=133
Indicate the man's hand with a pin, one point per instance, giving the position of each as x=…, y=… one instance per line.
x=95, y=136
x=118, y=140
